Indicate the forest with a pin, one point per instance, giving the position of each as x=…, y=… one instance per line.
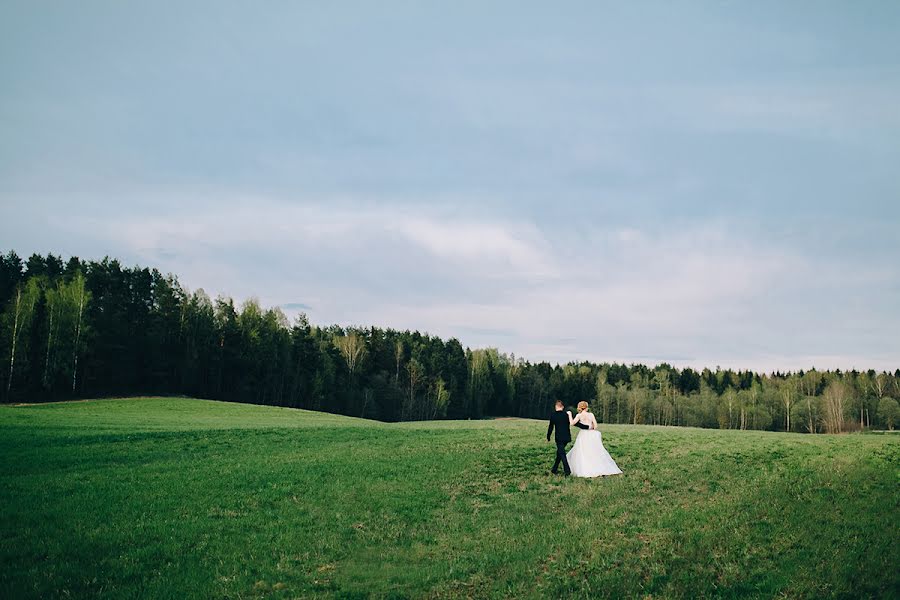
x=87, y=328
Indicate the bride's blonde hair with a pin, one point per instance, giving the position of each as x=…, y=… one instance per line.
x=582, y=405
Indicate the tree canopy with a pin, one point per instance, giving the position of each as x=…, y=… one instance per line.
x=74, y=328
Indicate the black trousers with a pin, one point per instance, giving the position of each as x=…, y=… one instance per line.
x=561, y=458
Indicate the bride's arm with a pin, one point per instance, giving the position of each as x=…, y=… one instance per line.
x=571, y=420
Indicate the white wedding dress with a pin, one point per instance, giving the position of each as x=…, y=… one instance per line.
x=588, y=457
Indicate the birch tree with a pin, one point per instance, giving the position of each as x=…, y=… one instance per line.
x=729, y=402
x=865, y=390
x=416, y=372
x=835, y=398
x=787, y=393
x=664, y=386
x=480, y=386
x=880, y=384
x=809, y=385
x=604, y=393
x=54, y=301
x=398, y=356
x=79, y=298
x=353, y=348
x=441, y=398
x=19, y=317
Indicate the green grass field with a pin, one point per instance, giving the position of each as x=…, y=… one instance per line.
x=180, y=498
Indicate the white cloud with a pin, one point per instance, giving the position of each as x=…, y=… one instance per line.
x=514, y=246
x=507, y=245
x=632, y=296
x=700, y=294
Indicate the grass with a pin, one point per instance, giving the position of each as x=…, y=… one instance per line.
x=182, y=498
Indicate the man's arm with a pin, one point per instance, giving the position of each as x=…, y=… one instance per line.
x=550, y=429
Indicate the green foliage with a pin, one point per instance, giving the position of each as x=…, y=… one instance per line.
x=95, y=328
x=889, y=411
x=182, y=498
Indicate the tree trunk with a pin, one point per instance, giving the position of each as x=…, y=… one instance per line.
x=789, y=416
x=77, y=339
x=810, y=425
x=12, y=354
x=49, y=345
x=366, y=393
x=398, y=354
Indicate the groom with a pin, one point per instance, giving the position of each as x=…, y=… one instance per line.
x=560, y=420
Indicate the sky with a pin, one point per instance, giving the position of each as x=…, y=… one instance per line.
x=698, y=183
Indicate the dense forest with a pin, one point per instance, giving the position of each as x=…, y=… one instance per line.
x=75, y=329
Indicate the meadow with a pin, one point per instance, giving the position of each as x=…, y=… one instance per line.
x=184, y=498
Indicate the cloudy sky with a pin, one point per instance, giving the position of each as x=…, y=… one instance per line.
x=703, y=183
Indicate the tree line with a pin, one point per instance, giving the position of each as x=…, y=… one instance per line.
x=81, y=328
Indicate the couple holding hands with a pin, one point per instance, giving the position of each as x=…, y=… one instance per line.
x=588, y=457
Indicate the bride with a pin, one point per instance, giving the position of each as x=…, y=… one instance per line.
x=588, y=457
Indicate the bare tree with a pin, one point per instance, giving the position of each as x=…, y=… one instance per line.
x=835, y=397
x=809, y=384
x=787, y=393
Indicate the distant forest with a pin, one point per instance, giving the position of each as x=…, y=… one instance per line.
x=84, y=329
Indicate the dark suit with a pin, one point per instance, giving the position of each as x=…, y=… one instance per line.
x=560, y=420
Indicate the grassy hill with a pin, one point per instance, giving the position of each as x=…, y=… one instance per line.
x=182, y=498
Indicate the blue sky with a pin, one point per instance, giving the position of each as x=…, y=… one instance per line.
x=703, y=183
